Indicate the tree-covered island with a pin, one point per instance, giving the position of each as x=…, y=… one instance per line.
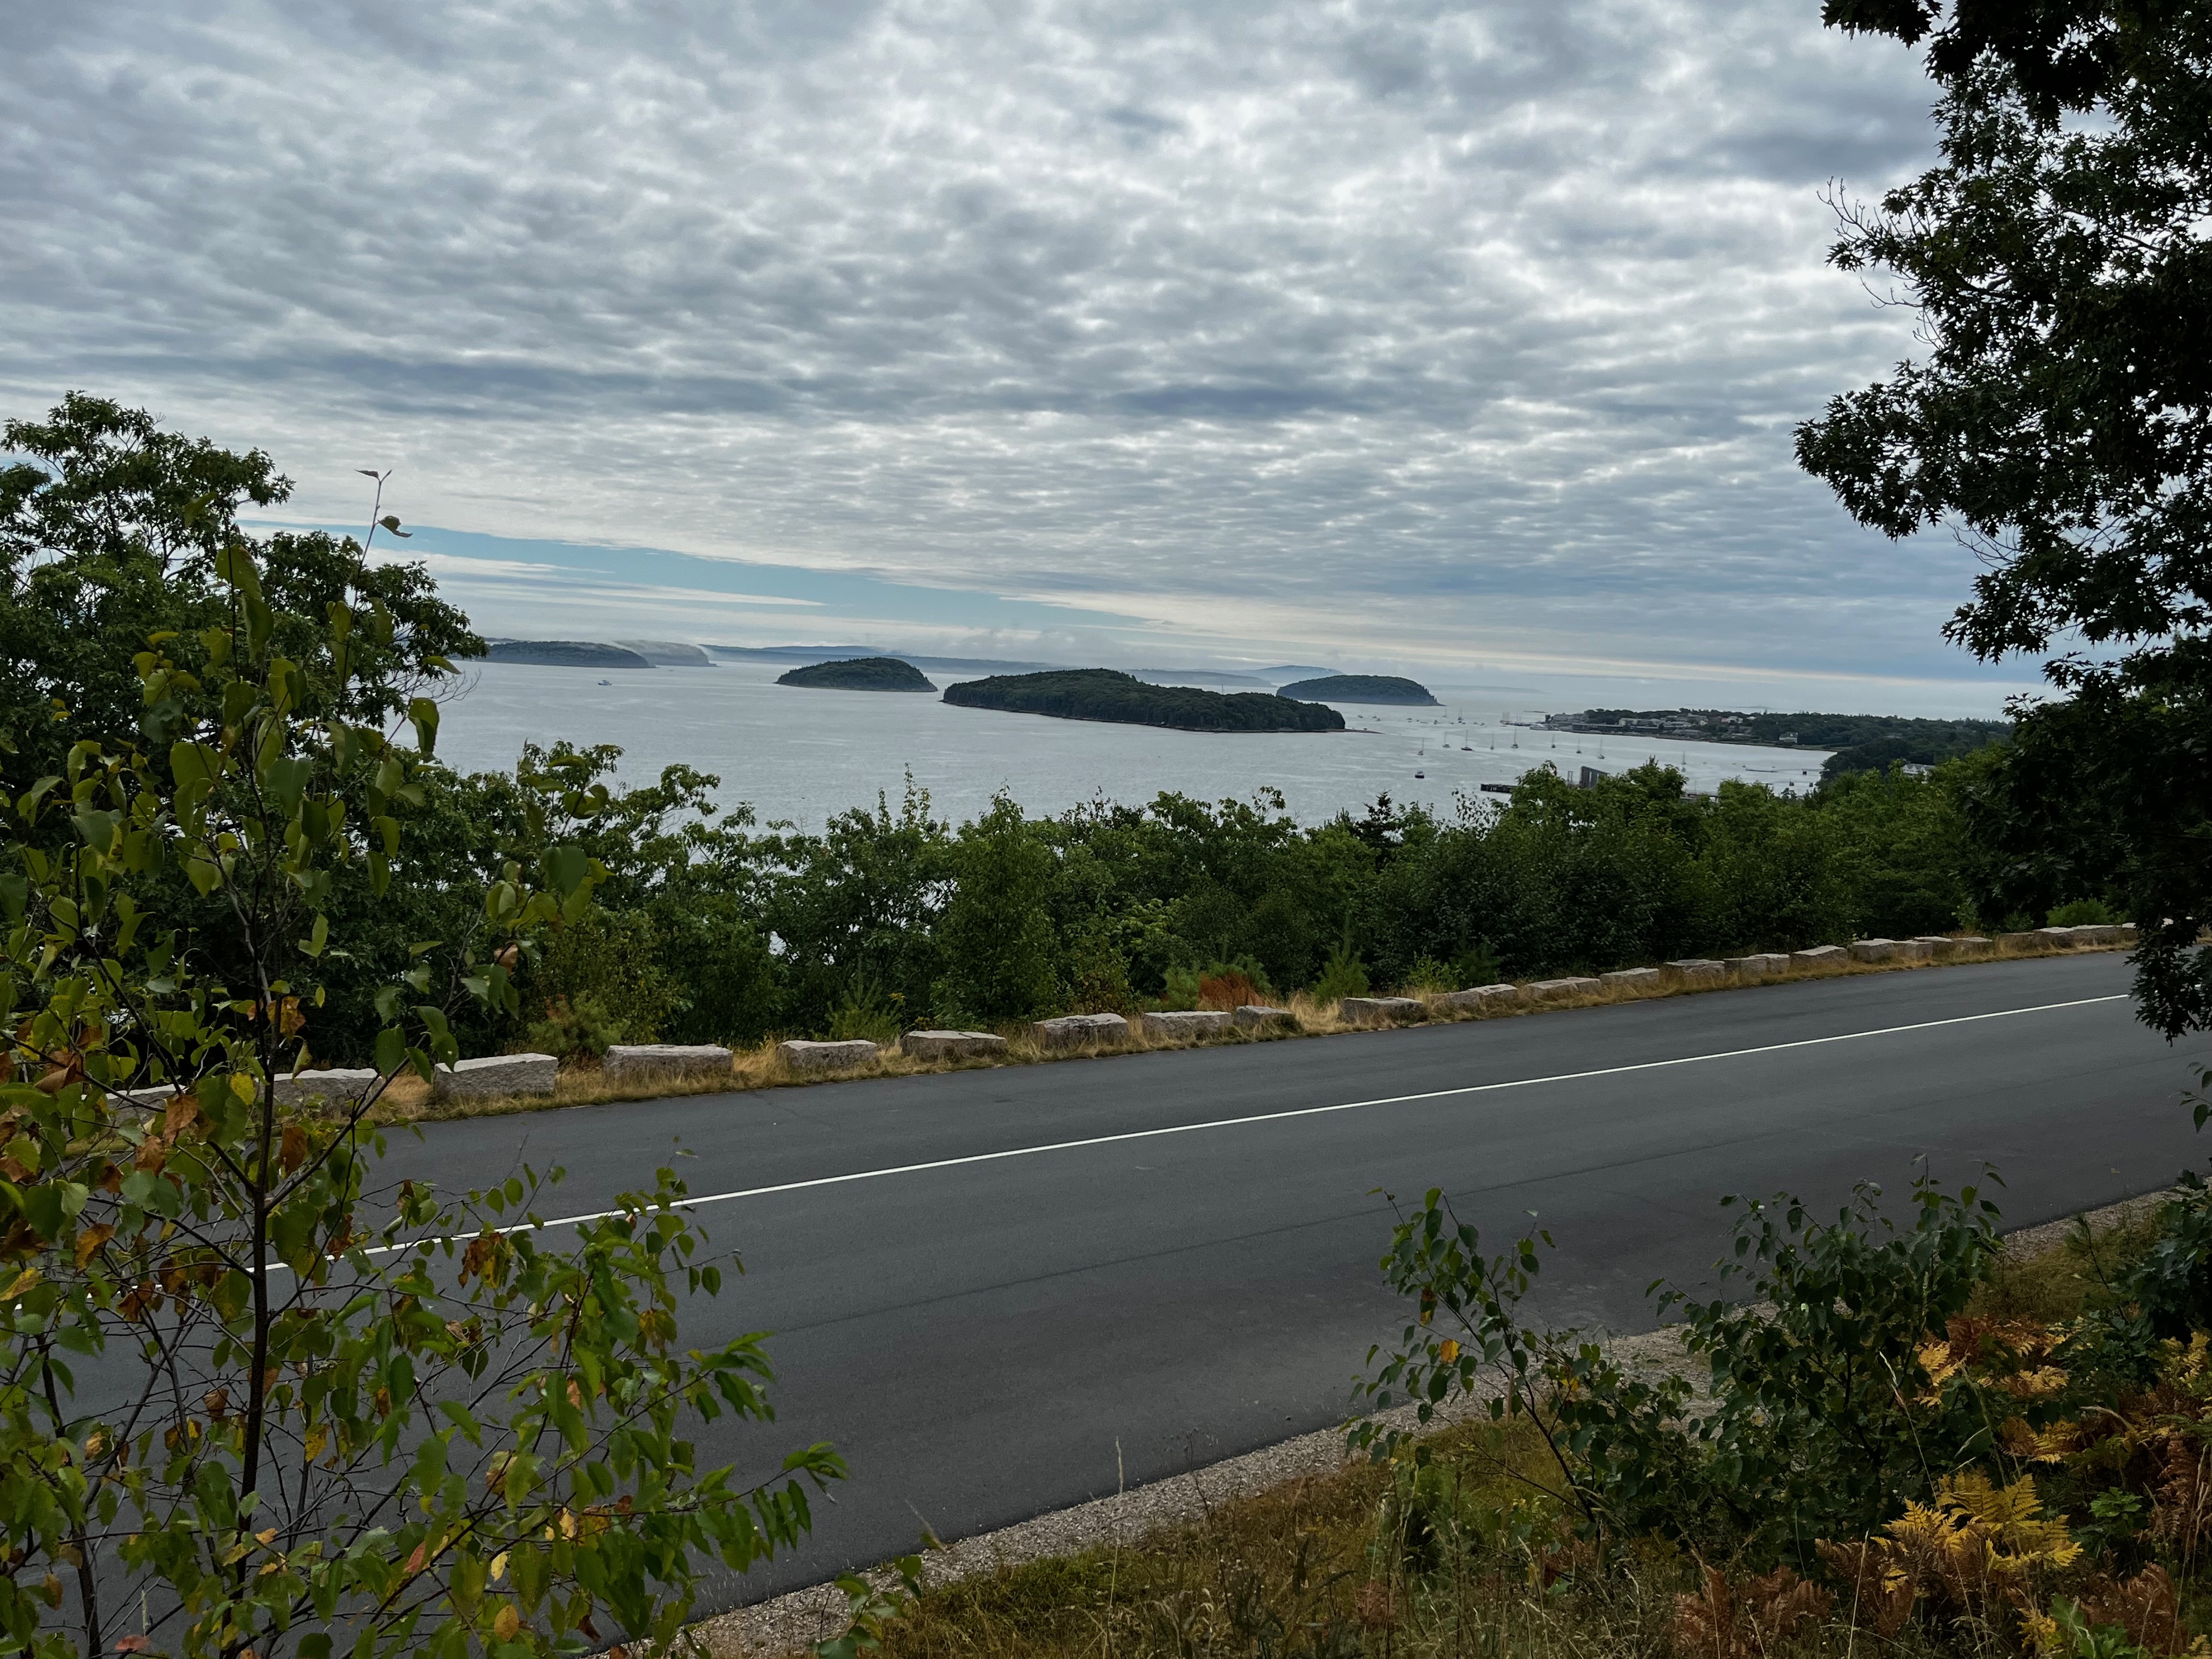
x=1105, y=694
x=859, y=674
x=1359, y=688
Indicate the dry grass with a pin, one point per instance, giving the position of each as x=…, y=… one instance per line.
x=408, y=1100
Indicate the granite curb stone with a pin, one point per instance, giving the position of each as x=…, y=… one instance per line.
x=1181, y=1026
x=1632, y=981
x=498, y=1074
x=630, y=1062
x=1694, y=971
x=1873, y=950
x=1257, y=1016
x=340, y=1084
x=1481, y=996
x=1821, y=957
x=950, y=1045
x=1771, y=964
x=1558, y=990
x=801, y=1055
x=1079, y=1030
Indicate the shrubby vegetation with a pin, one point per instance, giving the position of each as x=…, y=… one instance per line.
x=1896, y=1439
x=254, y=1397
x=727, y=930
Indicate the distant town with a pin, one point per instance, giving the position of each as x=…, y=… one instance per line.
x=1859, y=743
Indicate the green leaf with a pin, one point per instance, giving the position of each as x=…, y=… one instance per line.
x=424, y=714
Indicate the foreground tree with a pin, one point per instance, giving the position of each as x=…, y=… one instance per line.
x=247, y=1400
x=2061, y=421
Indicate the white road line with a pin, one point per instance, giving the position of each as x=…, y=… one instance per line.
x=1277, y=1117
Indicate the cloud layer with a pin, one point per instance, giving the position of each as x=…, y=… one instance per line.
x=1384, y=324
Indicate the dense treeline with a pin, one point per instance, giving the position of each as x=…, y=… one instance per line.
x=718, y=930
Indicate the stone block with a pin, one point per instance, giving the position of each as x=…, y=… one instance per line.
x=1873, y=950
x=1560, y=990
x=667, y=1062
x=498, y=1074
x=338, y=1086
x=1183, y=1025
x=1693, y=971
x=1912, y=950
x=2099, y=932
x=2021, y=942
x=1476, y=998
x=2127, y=933
x=1970, y=944
x=800, y=1055
x=1772, y=964
x=1258, y=1017
x=2058, y=938
x=1632, y=982
x=1379, y=1010
x=950, y=1045
x=1820, y=958
x=1079, y=1030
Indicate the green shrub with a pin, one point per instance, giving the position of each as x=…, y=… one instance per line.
x=574, y=1029
x=1820, y=1421
x=1345, y=976
x=1475, y=966
x=868, y=1013
x=598, y=981
x=2083, y=913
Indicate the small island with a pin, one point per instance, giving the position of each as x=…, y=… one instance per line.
x=563, y=653
x=859, y=674
x=1359, y=688
x=1102, y=693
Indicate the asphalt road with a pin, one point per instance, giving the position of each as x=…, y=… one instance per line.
x=984, y=1335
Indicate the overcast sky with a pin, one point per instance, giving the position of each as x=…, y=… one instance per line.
x=1467, y=337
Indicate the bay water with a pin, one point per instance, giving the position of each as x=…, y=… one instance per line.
x=801, y=756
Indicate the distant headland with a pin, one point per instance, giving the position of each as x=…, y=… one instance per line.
x=859, y=674
x=1104, y=694
x=1359, y=688
x=563, y=653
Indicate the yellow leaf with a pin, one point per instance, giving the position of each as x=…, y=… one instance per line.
x=506, y=1622
x=1447, y=1350
x=499, y=1566
x=318, y=1438
x=24, y=1281
x=265, y=1538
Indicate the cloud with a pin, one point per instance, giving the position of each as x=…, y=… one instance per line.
x=1400, y=325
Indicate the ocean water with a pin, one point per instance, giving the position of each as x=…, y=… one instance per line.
x=802, y=756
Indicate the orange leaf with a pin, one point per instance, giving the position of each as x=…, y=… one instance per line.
x=89, y=1241
x=295, y=1147
x=135, y=1644
x=417, y=1561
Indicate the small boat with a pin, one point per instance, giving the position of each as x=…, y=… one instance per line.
x=606, y=681
x=1420, y=774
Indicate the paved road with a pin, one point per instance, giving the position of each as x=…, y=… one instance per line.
x=979, y=1335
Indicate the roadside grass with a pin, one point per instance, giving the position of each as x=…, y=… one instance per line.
x=1464, y=1557
x=407, y=1099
